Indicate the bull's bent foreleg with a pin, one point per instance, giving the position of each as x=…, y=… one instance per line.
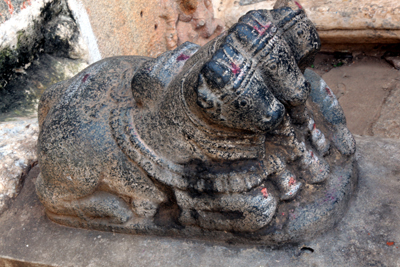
x=235, y=212
x=99, y=206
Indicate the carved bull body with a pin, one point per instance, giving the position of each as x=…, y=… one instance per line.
x=135, y=138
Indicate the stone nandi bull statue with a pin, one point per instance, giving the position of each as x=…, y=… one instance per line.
x=217, y=138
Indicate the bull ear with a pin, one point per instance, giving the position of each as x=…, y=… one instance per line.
x=205, y=98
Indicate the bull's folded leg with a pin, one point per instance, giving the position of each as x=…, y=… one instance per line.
x=287, y=184
x=235, y=212
x=100, y=207
x=103, y=205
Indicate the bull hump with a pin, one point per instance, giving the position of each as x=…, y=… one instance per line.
x=128, y=140
x=175, y=175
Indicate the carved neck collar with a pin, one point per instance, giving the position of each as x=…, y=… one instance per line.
x=218, y=143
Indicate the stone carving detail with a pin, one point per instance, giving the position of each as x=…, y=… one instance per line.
x=218, y=141
x=189, y=20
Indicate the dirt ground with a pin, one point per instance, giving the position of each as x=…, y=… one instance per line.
x=368, y=89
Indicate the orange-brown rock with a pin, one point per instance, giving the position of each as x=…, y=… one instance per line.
x=150, y=27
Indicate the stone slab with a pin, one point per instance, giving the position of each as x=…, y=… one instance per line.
x=363, y=238
x=337, y=21
x=365, y=90
x=388, y=122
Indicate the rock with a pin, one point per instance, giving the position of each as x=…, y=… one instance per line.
x=21, y=95
x=337, y=21
x=395, y=61
x=388, y=122
x=146, y=28
x=62, y=38
x=29, y=29
x=18, y=141
x=10, y=8
x=368, y=82
x=41, y=25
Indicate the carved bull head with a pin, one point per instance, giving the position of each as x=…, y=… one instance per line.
x=250, y=78
x=297, y=30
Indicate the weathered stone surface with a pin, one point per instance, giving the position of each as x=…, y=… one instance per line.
x=21, y=95
x=18, y=142
x=216, y=141
x=43, y=26
x=189, y=20
x=395, y=61
x=18, y=118
x=362, y=238
x=337, y=21
x=9, y=8
x=363, y=90
x=388, y=122
x=147, y=28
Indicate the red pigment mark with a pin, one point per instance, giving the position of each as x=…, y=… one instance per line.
x=23, y=5
x=369, y=234
x=235, y=69
x=328, y=91
x=263, y=28
x=314, y=127
x=292, y=181
x=298, y=4
x=29, y=2
x=264, y=192
x=85, y=78
x=182, y=57
x=312, y=154
x=283, y=214
x=10, y=6
x=390, y=244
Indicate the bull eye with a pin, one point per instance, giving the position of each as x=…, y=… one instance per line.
x=243, y=103
x=272, y=66
x=300, y=33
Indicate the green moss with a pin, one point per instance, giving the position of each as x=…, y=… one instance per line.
x=7, y=52
x=8, y=59
x=11, y=58
x=20, y=34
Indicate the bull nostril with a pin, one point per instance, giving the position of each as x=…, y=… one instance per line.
x=266, y=119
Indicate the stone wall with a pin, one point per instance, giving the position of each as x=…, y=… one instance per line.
x=147, y=27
